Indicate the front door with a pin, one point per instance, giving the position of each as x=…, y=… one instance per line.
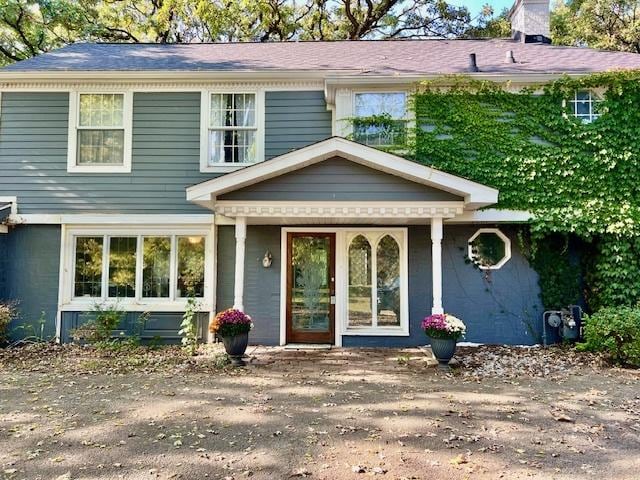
x=310, y=287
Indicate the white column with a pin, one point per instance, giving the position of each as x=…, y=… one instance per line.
x=238, y=290
x=436, y=264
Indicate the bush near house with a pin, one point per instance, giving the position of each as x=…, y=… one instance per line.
x=7, y=314
x=615, y=331
x=99, y=329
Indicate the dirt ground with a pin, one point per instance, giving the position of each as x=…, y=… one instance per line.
x=66, y=413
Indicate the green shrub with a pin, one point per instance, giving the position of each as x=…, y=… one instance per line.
x=106, y=319
x=615, y=331
x=7, y=313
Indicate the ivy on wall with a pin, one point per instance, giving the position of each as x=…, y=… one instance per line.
x=579, y=180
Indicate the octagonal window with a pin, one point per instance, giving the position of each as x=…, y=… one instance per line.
x=489, y=248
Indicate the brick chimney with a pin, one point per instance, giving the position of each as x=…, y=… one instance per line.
x=530, y=21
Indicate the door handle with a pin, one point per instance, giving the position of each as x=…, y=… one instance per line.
x=333, y=300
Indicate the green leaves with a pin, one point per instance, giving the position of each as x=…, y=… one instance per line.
x=579, y=180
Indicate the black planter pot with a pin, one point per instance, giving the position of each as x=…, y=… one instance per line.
x=443, y=349
x=235, y=347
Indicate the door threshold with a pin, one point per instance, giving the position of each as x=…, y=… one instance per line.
x=308, y=346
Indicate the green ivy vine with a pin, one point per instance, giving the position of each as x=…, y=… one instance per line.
x=581, y=181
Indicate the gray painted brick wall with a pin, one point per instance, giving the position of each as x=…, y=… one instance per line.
x=500, y=307
x=165, y=154
x=33, y=254
x=262, y=285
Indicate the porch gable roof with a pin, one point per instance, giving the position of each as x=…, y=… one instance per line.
x=475, y=195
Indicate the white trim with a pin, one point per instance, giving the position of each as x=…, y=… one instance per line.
x=67, y=302
x=337, y=209
x=507, y=248
x=238, y=285
x=112, y=219
x=74, y=115
x=475, y=195
x=205, y=115
x=341, y=279
x=436, y=265
x=492, y=215
x=4, y=229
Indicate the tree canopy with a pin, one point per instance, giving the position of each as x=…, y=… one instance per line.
x=30, y=27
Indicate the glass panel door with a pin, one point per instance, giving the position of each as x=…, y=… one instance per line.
x=310, y=284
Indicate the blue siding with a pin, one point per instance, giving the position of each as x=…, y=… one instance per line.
x=32, y=258
x=165, y=155
x=342, y=180
x=294, y=120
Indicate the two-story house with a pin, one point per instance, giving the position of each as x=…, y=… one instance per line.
x=139, y=174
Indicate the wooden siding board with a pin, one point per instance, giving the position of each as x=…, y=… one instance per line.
x=339, y=179
x=165, y=150
x=294, y=119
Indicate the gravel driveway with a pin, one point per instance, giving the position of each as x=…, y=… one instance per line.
x=348, y=413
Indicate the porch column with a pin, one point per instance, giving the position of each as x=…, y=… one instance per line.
x=436, y=264
x=238, y=289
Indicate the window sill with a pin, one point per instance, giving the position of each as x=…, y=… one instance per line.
x=379, y=332
x=79, y=305
x=226, y=168
x=99, y=169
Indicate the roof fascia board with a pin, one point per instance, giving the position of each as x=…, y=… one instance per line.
x=475, y=194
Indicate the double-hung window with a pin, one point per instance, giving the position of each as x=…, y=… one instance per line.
x=100, y=132
x=380, y=118
x=232, y=132
x=154, y=267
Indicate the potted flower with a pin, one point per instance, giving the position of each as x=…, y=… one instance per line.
x=443, y=331
x=233, y=326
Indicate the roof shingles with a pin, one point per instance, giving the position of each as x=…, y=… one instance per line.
x=406, y=57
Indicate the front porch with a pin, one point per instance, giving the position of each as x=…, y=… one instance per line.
x=341, y=192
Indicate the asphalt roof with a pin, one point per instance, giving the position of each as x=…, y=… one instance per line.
x=353, y=57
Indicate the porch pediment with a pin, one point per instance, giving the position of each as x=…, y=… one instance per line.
x=340, y=179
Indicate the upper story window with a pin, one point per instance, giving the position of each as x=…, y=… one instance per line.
x=584, y=105
x=380, y=118
x=100, y=132
x=232, y=130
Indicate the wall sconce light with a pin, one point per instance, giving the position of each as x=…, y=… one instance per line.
x=267, y=260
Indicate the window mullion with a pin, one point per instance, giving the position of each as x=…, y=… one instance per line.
x=173, y=271
x=139, y=259
x=374, y=283
x=105, y=268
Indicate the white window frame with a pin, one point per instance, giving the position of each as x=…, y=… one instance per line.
x=74, y=125
x=507, y=248
x=572, y=105
x=205, y=116
x=409, y=118
x=374, y=236
x=342, y=288
x=138, y=302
